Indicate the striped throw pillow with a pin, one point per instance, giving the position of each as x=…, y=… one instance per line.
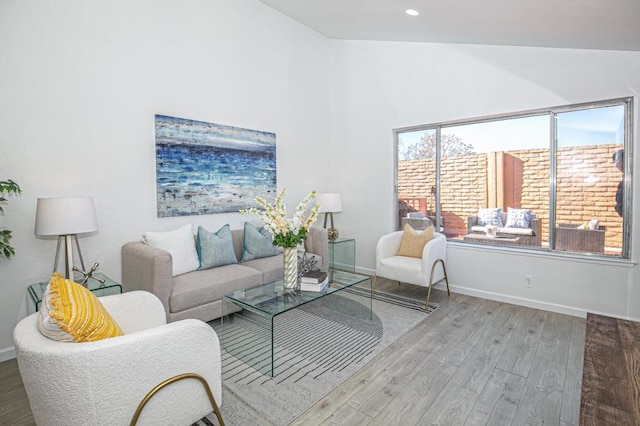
x=413, y=241
x=71, y=313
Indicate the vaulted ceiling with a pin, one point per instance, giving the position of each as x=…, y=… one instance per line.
x=580, y=24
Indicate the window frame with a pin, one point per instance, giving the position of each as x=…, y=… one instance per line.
x=626, y=102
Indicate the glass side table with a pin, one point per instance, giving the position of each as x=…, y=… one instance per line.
x=342, y=254
x=109, y=287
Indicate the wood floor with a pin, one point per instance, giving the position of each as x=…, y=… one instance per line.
x=472, y=362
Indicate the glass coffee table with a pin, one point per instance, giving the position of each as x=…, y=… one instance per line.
x=255, y=310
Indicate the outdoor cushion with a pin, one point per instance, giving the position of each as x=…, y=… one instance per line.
x=516, y=231
x=490, y=217
x=518, y=218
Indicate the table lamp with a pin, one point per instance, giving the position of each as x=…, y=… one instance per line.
x=66, y=218
x=330, y=203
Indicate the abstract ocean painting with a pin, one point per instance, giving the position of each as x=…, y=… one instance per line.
x=206, y=168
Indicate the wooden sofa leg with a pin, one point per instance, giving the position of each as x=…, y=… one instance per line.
x=446, y=279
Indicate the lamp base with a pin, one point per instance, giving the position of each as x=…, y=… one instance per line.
x=332, y=233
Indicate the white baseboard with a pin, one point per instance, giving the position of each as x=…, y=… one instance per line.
x=7, y=353
x=515, y=300
x=521, y=301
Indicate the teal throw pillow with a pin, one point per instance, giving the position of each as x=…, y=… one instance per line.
x=215, y=248
x=257, y=243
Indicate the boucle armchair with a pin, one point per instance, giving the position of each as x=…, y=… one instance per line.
x=100, y=383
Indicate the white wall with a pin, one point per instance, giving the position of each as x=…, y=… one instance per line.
x=379, y=86
x=80, y=83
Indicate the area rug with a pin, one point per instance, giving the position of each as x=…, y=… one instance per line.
x=317, y=347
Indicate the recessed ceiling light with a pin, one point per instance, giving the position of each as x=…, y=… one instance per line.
x=412, y=12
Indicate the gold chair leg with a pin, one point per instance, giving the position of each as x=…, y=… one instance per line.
x=446, y=279
x=174, y=379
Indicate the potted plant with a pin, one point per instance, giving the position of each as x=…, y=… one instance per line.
x=7, y=187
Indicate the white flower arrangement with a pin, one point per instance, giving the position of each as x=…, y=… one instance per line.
x=287, y=232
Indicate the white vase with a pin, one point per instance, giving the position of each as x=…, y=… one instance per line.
x=290, y=257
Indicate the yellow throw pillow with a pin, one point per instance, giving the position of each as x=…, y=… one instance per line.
x=413, y=241
x=71, y=313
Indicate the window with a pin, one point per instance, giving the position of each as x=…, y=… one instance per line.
x=548, y=180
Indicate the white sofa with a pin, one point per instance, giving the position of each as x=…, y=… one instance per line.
x=102, y=383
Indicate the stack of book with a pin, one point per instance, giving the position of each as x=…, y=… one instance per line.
x=314, y=281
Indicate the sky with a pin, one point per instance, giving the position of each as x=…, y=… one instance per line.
x=575, y=128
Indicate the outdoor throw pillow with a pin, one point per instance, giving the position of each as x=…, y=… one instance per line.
x=257, y=243
x=180, y=244
x=489, y=217
x=215, y=248
x=71, y=313
x=413, y=241
x=518, y=218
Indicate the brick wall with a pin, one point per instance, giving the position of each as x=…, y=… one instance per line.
x=586, y=185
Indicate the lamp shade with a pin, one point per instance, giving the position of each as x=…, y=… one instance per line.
x=65, y=216
x=330, y=202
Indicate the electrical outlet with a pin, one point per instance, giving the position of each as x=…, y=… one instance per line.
x=527, y=281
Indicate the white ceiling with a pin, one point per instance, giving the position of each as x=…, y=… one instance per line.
x=581, y=24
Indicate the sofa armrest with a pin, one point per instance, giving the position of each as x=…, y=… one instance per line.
x=388, y=246
x=149, y=269
x=432, y=251
x=471, y=222
x=317, y=242
x=536, y=226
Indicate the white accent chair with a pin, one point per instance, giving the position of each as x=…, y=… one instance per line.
x=105, y=382
x=418, y=271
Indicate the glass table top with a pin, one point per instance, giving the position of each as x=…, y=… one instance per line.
x=273, y=299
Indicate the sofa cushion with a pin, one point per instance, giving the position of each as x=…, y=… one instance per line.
x=201, y=287
x=489, y=217
x=270, y=267
x=478, y=228
x=515, y=231
x=518, y=218
x=258, y=243
x=180, y=244
x=215, y=248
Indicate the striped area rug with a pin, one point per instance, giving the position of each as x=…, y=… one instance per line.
x=396, y=299
x=317, y=347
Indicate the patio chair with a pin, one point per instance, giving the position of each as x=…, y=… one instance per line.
x=571, y=238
